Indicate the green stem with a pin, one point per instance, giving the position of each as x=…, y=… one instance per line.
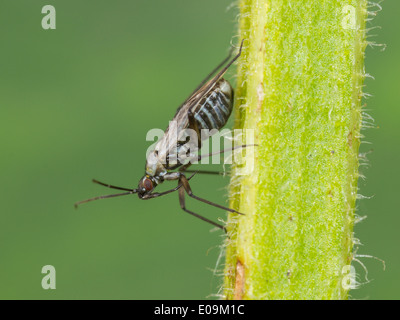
x=299, y=87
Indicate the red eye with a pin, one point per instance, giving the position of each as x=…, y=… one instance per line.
x=148, y=184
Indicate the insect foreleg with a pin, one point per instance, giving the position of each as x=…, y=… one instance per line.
x=159, y=194
x=168, y=176
x=172, y=176
x=184, y=167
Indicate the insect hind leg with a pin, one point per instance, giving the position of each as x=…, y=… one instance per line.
x=219, y=173
x=201, y=156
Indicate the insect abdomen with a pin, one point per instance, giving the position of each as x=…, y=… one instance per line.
x=215, y=108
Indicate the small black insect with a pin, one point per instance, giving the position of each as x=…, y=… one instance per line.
x=208, y=107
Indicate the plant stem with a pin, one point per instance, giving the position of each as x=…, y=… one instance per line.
x=299, y=87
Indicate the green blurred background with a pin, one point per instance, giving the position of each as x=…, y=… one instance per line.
x=76, y=104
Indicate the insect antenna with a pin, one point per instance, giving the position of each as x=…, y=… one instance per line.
x=104, y=197
x=130, y=191
x=113, y=187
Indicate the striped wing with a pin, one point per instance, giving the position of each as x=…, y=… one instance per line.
x=168, y=143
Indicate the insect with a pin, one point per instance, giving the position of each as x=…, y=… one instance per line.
x=208, y=107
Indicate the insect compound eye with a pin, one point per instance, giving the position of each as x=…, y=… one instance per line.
x=148, y=184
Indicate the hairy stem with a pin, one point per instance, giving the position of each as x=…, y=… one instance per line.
x=299, y=88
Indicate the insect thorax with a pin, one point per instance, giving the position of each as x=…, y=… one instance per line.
x=154, y=167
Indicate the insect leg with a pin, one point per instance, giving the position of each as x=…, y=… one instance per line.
x=182, y=203
x=173, y=177
x=184, y=167
x=159, y=194
x=186, y=186
x=221, y=173
x=200, y=156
